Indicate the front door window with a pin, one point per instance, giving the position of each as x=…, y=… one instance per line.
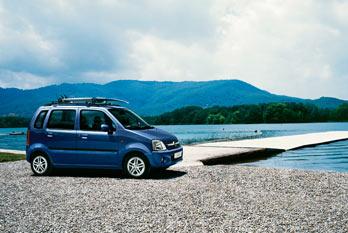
x=91, y=120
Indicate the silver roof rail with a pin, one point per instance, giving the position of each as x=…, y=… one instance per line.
x=90, y=100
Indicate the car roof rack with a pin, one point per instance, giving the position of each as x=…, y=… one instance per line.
x=89, y=101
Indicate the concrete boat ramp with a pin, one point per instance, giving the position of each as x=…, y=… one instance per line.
x=242, y=150
x=236, y=151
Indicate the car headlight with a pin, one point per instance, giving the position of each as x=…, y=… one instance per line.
x=158, y=145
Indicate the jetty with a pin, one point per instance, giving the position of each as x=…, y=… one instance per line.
x=243, y=150
x=251, y=149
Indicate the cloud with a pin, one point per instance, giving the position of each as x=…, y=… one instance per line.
x=288, y=47
x=154, y=58
x=23, y=79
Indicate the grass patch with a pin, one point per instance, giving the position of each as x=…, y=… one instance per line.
x=7, y=157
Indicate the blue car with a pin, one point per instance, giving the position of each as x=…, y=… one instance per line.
x=97, y=133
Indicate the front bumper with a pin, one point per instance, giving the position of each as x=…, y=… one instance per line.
x=160, y=159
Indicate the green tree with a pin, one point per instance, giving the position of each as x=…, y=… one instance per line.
x=342, y=112
x=13, y=122
x=215, y=119
x=260, y=113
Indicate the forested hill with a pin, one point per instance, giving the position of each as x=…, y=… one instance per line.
x=247, y=114
x=150, y=97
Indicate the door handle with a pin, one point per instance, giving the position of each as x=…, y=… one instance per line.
x=50, y=135
x=84, y=137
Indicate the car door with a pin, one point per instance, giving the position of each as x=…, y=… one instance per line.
x=61, y=136
x=98, y=148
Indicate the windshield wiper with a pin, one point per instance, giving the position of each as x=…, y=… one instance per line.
x=140, y=127
x=147, y=127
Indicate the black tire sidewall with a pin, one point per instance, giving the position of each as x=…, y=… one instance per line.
x=147, y=166
x=49, y=165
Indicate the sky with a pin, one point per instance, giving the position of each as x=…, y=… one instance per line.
x=291, y=47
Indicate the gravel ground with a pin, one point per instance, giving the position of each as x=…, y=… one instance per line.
x=222, y=198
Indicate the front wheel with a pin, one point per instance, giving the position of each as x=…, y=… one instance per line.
x=41, y=165
x=136, y=166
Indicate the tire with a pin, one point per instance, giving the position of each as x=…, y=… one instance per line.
x=136, y=166
x=41, y=165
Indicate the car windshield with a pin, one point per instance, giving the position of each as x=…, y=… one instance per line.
x=129, y=119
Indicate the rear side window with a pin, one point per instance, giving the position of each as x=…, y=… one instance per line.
x=40, y=119
x=92, y=120
x=62, y=119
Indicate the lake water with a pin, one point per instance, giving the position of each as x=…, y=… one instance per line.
x=328, y=157
x=332, y=157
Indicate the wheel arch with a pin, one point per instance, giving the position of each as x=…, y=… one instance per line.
x=39, y=151
x=133, y=152
x=37, y=148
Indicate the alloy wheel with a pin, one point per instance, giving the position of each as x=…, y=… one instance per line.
x=40, y=164
x=136, y=166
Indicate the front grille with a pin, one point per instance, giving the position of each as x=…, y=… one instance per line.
x=172, y=145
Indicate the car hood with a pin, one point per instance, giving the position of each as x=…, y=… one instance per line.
x=156, y=133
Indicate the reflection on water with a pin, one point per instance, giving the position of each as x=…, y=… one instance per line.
x=329, y=157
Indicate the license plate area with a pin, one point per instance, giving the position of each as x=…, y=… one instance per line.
x=177, y=155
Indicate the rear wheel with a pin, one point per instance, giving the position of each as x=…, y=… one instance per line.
x=136, y=166
x=41, y=165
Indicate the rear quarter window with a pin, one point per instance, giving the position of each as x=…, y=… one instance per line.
x=62, y=119
x=39, y=121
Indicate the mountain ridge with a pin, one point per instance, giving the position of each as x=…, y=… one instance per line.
x=152, y=97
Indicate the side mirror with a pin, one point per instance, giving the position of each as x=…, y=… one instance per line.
x=106, y=128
